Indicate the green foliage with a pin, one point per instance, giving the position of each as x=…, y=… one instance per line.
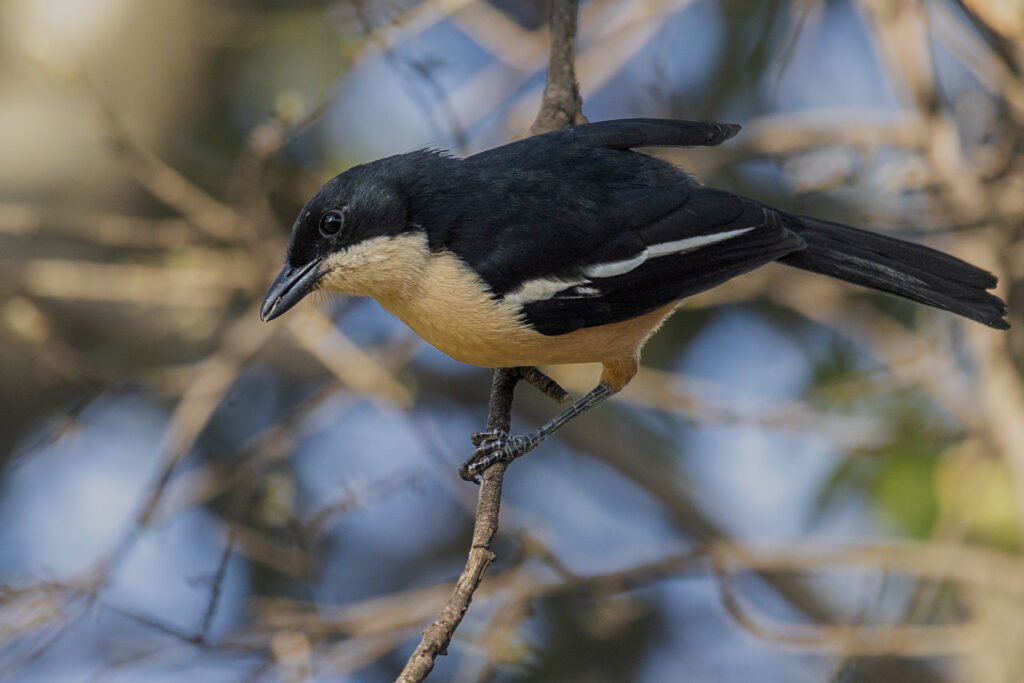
x=903, y=487
x=898, y=475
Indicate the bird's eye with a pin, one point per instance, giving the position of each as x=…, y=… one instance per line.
x=331, y=223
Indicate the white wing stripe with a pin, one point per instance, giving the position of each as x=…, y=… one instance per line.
x=691, y=243
x=538, y=290
x=616, y=267
x=542, y=289
x=655, y=250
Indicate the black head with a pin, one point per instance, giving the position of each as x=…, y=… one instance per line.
x=360, y=204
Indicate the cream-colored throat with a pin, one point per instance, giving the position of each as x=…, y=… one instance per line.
x=434, y=293
x=387, y=268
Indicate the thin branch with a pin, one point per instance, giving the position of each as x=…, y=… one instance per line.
x=216, y=585
x=560, y=107
x=544, y=384
x=317, y=334
x=208, y=214
x=437, y=636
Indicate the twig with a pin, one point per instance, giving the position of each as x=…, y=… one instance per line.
x=850, y=641
x=206, y=213
x=241, y=341
x=544, y=384
x=437, y=636
x=317, y=334
x=561, y=106
x=216, y=585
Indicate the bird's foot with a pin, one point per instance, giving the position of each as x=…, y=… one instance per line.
x=493, y=447
x=480, y=438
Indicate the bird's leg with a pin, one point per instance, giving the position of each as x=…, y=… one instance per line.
x=542, y=383
x=494, y=447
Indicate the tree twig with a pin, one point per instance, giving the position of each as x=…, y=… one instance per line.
x=544, y=384
x=437, y=636
x=560, y=107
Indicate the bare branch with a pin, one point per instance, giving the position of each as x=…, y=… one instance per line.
x=544, y=384
x=561, y=105
x=437, y=636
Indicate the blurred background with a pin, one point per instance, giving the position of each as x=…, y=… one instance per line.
x=189, y=494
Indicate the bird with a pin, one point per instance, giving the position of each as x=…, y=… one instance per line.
x=574, y=247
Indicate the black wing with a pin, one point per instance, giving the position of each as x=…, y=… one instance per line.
x=576, y=230
x=538, y=207
x=711, y=237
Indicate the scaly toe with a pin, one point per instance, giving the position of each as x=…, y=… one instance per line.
x=468, y=472
x=479, y=438
x=494, y=448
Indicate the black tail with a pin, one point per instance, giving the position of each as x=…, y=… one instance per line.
x=905, y=269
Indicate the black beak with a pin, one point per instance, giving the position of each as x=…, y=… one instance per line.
x=289, y=287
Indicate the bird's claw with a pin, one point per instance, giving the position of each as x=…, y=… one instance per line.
x=493, y=447
x=479, y=438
